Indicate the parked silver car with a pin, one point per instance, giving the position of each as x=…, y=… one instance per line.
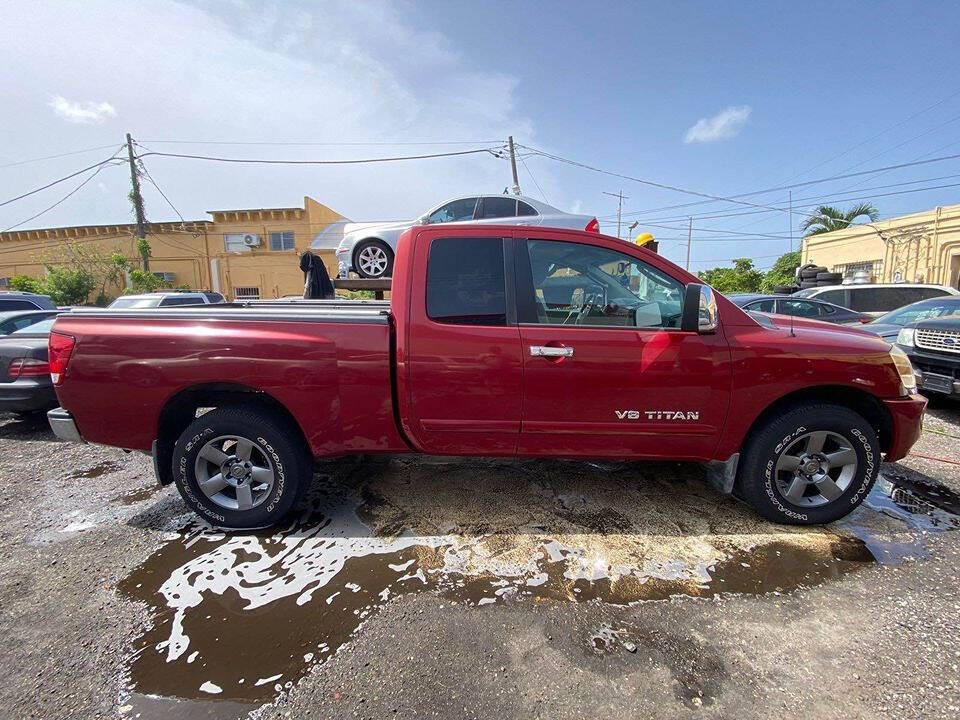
x=368, y=248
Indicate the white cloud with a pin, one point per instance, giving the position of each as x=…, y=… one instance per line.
x=722, y=126
x=85, y=113
x=230, y=70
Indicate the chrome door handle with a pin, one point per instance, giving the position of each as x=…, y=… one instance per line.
x=545, y=351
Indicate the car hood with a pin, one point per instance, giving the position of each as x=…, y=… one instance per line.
x=332, y=236
x=884, y=330
x=948, y=323
x=831, y=332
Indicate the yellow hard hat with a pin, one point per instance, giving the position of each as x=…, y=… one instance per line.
x=643, y=238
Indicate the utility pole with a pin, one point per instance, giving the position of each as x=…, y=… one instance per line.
x=689, y=240
x=620, y=198
x=137, y=199
x=513, y=167
x=790, y=216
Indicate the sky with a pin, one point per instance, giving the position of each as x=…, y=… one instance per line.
x=713, y=98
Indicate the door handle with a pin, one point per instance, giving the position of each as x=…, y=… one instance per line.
x=546, y=351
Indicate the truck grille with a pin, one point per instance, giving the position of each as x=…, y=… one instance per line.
x=943, y=340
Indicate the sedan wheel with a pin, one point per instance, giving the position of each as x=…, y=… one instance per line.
x=373, y=260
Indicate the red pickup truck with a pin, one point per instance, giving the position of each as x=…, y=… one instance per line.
x=497, y=341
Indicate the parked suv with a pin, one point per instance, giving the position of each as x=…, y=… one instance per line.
x=876, y=299
x=167, y=299
x=933, y=346
x=15, y=300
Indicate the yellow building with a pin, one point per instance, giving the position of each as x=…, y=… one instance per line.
x=240, y=253
x=923, y=248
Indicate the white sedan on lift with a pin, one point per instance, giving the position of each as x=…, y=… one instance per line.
x=368, y=248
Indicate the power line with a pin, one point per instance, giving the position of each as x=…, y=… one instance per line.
x=540, y=189
x=56, y=182
x=54, y=157
x=58, y=202
x=262, y=161
x=312, y=143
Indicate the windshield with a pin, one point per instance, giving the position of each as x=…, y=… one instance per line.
x=804, y=293
x=919, y=311
x=135, y=302
x=38, y=328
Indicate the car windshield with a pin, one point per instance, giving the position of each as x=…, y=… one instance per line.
x=919, y=311
x=135, y=302
x=38, y=328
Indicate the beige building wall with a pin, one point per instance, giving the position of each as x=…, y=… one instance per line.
x=923, y=247
x=202, y=255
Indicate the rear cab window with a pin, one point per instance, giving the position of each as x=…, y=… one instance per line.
x=466, y=283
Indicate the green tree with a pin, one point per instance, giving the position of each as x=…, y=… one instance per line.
x=25, y=283
x=783, y=271
x=69, y=286
x=828, y=219
x=742, y=277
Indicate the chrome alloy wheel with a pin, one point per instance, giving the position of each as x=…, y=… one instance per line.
x=373, y=260
x=816, y=468
x=234, y=472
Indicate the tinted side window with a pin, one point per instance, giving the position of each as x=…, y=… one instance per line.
x=498, y=207
x=524, y=210
x=465, y=281
x=762, y=306
x=17, y=305
x=799, y=308
x=183, y=300
x=456, y=211
x=214, y=297
x=837, y=297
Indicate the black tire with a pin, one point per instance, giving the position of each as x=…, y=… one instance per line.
x=274, y=444
x=785, y=289
x=387, y=270
x=833, y=277
x=757, y=479
x=811, y=273
x=804, y=284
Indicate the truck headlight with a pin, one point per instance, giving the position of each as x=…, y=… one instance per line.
x=905, y=337
x=905, y=369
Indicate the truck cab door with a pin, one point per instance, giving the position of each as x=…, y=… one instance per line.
x=607, y=370
x=459, y=364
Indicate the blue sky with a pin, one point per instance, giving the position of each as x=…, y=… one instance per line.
x=779, y=94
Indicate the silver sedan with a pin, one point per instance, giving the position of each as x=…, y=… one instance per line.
x=368, y=248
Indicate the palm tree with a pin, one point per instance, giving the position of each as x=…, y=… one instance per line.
x=828, y=219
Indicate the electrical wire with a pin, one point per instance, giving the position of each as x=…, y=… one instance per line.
x=315, y=143
x=61, y=200
x=262, y=161
x=540, y=189
x=58, y=181
x=54, y=157
x=162, y=194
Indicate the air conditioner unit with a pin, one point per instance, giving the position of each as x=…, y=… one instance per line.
x=251, y=240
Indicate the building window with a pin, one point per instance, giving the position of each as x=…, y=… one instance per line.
x=4, y=282
x=240, y=242
x=872, y=267
x=281, y=240
x=246, y=293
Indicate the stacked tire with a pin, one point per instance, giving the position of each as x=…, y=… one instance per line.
x=812, y=275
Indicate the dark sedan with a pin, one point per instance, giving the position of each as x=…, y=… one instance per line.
x=19, y=319
x=798, y=307
x=888, y=326
x=25, y=384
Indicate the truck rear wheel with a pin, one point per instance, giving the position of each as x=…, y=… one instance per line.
x=811, y=465
x=240, y=467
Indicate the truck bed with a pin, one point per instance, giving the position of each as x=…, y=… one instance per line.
x=327, y=363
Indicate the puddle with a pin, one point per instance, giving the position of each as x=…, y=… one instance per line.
x=240, y=617
x=101, y=468
x=922, y=504
x=135, y=496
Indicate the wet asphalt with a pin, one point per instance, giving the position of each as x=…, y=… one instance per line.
x=473, y=588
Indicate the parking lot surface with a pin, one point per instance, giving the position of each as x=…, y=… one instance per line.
x=468, y=588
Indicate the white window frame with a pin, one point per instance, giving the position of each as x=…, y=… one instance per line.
x=283, y=236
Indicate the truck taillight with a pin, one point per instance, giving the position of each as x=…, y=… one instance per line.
x=27, y=367
x=593, y=226
x=60, y=346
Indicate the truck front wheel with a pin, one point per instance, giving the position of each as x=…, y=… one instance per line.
x=240, y=468
x=811, y=465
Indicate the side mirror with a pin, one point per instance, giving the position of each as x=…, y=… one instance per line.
x=699, y=309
